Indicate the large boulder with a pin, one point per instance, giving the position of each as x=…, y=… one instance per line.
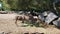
x=43, y=15
x=51, y=16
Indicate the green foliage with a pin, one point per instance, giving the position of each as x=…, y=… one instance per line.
x=27, y=4
x=5, y=5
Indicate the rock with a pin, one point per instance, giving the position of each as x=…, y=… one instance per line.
x=3, y=12
x=57, y=22
x=41, y=17
x=51, y=16
x=21, y=12
x=45, y=13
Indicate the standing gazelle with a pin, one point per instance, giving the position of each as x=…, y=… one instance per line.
x=23, y=18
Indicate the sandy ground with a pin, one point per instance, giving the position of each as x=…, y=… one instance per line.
x=7, y=24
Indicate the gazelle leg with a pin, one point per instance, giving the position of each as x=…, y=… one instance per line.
x=16, y=21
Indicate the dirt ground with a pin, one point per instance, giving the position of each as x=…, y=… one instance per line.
x=7, y=24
